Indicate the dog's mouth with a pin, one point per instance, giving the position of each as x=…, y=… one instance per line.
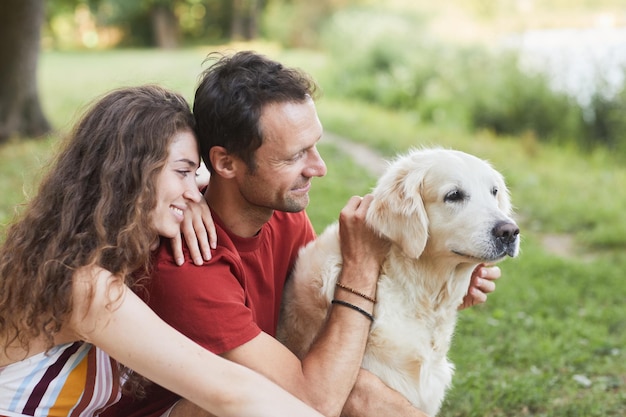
x=493, y=257
x=479, y=259
x=499, y=251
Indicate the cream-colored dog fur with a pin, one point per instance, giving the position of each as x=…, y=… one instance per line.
x=445, y=212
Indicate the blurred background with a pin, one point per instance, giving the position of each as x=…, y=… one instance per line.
x=556, y=65
x=535, y=86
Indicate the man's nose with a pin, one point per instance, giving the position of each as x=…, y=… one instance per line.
x=317, y=167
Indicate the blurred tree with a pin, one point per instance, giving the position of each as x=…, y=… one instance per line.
x=246, y=15
x=165, y=23
x=20, y=110
x=298, y=23
x=146, y=22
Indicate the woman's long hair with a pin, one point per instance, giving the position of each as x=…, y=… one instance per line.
x=92, y=208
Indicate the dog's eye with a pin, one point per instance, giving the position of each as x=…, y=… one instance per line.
x=454, y=196
x=494, y=191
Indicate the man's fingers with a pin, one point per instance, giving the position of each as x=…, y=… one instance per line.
x=485, y=285
x=489, y=272
x=202, y=248
x=191, y=238
x=177, y=249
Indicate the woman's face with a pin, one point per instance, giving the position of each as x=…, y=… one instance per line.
x=176, y=184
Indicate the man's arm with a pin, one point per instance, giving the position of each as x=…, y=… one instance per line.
x=371, y=397
x=326, y=375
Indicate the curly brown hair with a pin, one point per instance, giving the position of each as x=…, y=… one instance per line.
x=92, y=208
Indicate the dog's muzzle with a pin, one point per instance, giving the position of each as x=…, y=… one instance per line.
x=506, y=235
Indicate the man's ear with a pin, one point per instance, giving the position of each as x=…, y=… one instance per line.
x=223, y=162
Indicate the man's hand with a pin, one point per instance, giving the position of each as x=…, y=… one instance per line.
x=481, y=284
x=370, y=397
x=360, y=245
x=199, y=232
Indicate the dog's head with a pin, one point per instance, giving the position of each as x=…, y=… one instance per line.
x=445, y=203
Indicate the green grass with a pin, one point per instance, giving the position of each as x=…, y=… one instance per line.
x=553, y=322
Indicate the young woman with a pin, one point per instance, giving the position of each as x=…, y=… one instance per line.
x=68, y=316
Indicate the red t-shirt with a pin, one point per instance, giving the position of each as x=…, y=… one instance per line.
x=226, y=302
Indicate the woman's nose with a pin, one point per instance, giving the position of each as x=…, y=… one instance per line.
x=192, y=193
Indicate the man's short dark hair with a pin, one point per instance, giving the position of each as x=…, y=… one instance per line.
x=231, y=96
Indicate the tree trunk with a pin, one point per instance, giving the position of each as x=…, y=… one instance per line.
x=20, y=29
x=164, y=27
x=245, y=19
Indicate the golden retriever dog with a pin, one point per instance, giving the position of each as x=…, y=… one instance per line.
x=444, y=212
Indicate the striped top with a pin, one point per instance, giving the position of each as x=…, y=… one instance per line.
x=71, y=380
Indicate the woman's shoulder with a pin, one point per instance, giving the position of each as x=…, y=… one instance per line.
x=94, y=284
x=96, y=293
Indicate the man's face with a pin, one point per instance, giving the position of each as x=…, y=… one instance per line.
x=287, y=160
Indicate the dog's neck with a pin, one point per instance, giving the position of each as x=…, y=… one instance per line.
x=441, y=285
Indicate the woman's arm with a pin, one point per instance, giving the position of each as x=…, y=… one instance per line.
x=109, y=315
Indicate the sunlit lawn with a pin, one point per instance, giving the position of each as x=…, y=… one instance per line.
x=551, y=340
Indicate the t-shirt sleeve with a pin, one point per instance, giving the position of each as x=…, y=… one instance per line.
x=207, y=304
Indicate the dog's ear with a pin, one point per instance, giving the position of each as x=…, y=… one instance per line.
x=397, y=210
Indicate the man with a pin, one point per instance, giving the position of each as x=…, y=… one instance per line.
x=258, y=129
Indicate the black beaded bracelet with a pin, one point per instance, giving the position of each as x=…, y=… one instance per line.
x=355, y=308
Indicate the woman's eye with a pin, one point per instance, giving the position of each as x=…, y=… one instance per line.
x=183, y=173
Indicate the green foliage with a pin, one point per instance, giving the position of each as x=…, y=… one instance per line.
x=375, y=56
x=288, y=24
x=500, y=96
x=193, y=19
x=297, y=23
x=394, y=64
x=606, y=123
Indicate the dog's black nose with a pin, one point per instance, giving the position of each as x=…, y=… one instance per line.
x=506, y=232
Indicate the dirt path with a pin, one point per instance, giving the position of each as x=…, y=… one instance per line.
x=363, y=155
